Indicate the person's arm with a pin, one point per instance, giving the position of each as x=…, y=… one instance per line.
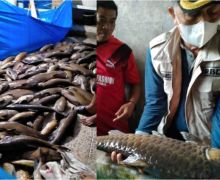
x=135, y=94
x=215, y=131
x=127, y=109
x=132, y=78
x=155, y=99
x=91, y=107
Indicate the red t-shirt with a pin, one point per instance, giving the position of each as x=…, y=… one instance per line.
x=111, y=80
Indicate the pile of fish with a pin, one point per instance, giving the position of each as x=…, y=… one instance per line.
x=39, y=96
x=164, y=157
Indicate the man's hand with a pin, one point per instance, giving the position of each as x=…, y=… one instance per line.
x=89, y=121
x=116, y=158
x=124, y=112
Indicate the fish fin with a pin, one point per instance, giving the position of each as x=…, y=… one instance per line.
x=73, y=165
x=115, y=132
x=133, y=160
x=156, y=133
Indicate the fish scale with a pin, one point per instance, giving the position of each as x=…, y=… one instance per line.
x=164, y=157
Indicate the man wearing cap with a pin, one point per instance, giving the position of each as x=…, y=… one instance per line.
x=182, y=78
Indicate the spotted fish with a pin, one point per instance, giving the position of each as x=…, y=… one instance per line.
x=164, y=157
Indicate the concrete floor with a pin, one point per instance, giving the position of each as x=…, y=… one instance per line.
x=83, y=144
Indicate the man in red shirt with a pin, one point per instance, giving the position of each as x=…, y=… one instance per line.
x=116, y=67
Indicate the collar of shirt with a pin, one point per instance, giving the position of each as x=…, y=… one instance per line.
x=190, y=58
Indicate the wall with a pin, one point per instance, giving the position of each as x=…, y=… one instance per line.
x=138, y=22
x=87, y=3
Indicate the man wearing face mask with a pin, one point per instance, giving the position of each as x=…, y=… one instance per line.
x=182, y=77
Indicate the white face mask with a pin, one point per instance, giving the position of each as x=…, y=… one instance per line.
x=198, y=34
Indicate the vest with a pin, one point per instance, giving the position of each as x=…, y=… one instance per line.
x=203, y=87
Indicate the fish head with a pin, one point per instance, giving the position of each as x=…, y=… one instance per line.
x=52, y=170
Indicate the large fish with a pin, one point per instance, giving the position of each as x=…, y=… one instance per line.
x=33, y=107
x=45, y=100
x=21, y=129
x=64, y=124
x=20, y=142
x=164, y=157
